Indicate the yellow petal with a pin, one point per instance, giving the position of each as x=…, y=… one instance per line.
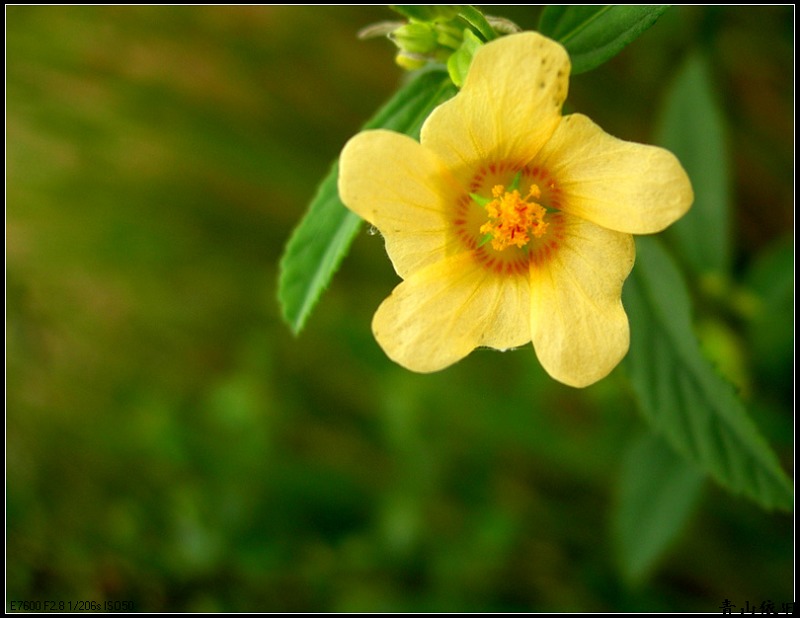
x=620, y=185
x=509, y=106
x=444, y=311
x=578, y=326
x=402, y=189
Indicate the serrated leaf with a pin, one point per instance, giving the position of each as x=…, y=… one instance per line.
x=323, y=237
x=691, y=127
x=594, y=34
x=682, y=396
x=658, y=491
x=314, y=252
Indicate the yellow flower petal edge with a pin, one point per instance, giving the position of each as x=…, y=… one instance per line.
x=444, y=311
x=509, y=223
x=620, y=185
x=578, y=325
x=508, y=108
x=404, y=193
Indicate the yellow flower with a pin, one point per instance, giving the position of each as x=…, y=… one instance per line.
x=510, y=223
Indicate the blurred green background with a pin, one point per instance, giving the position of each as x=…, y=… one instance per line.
x=171, y=443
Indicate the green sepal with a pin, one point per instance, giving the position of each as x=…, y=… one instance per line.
x=459, y=62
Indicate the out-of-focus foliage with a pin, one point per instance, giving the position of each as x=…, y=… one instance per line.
x=170, y=442
x=692, y=128
x=681, y=396
x=659, y=490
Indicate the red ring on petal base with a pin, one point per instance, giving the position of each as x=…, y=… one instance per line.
x=470, y=216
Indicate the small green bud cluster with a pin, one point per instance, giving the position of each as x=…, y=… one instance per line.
x=419, y=43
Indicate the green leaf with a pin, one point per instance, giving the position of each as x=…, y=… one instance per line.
x=477, y=20
x=323, y=237
x=691, y=127
x=658, y=492
x=595, y=34
x=314, y=252
x=682, y=396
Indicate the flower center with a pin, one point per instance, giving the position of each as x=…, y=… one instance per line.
x=510, y=217
x=513, y=220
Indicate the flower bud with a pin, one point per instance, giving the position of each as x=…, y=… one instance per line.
x=409, y=61
x=415, y=37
